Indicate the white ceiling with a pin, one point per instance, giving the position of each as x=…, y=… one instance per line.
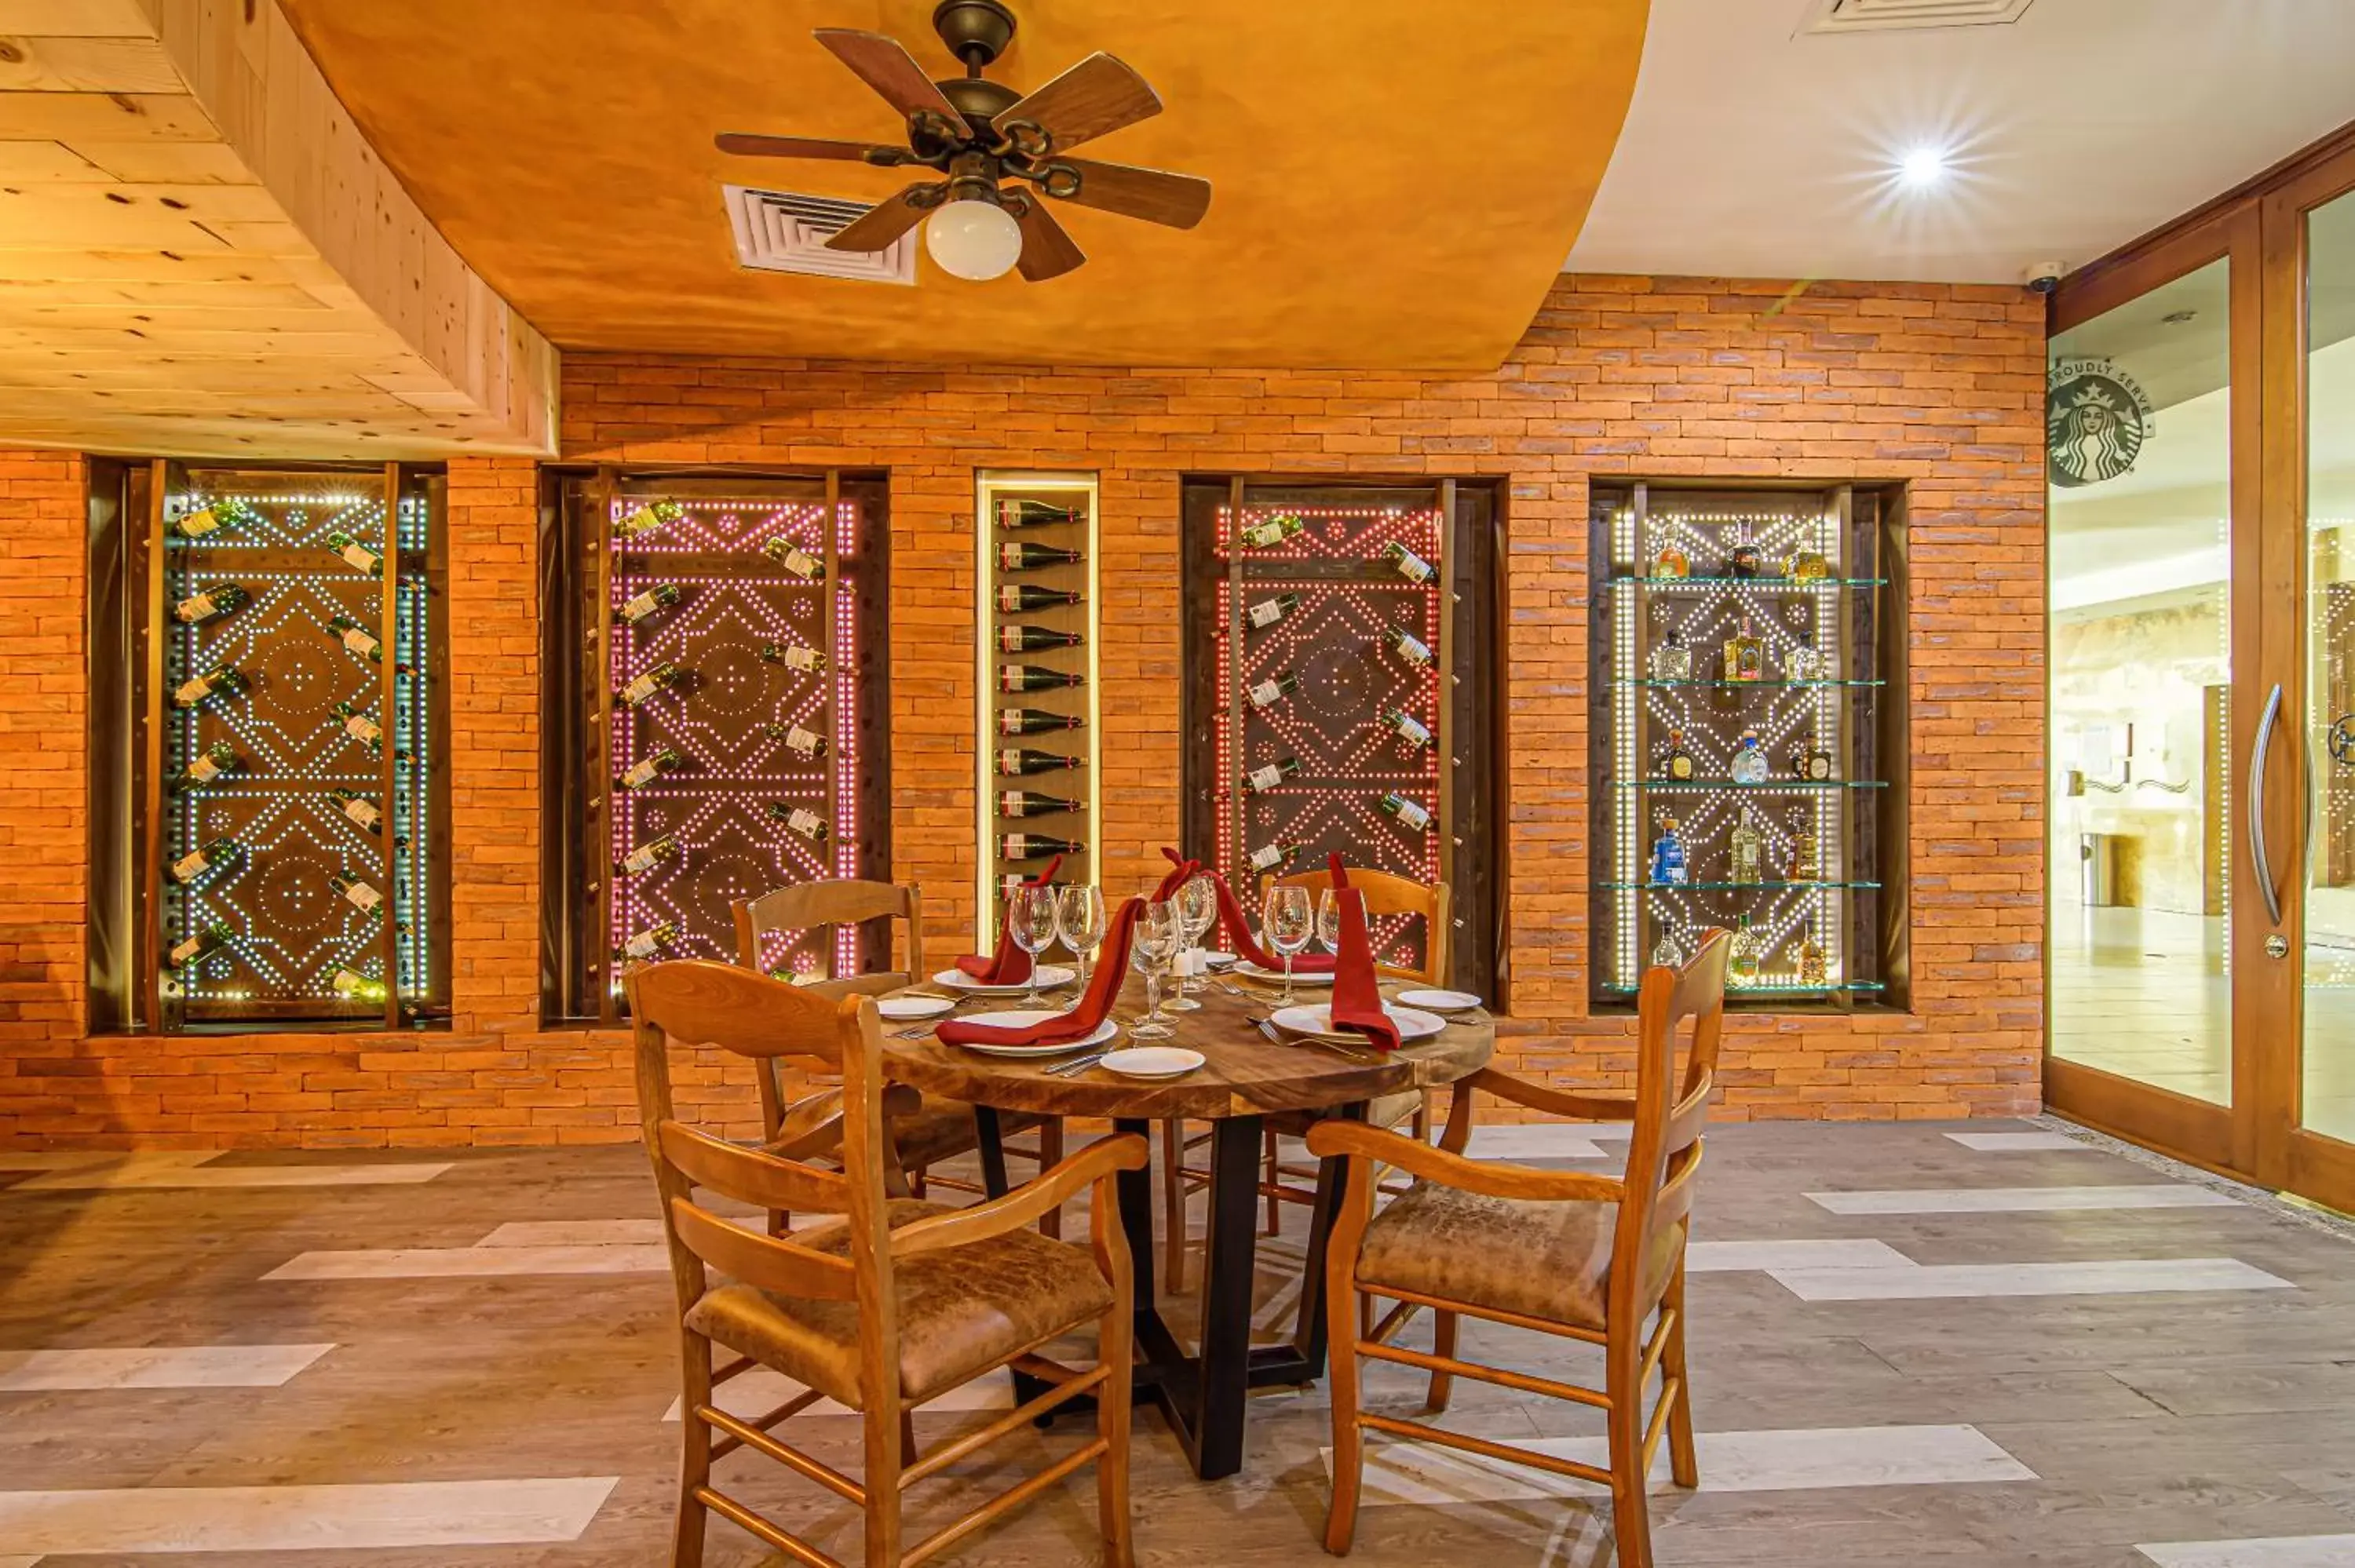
x=1756, y=150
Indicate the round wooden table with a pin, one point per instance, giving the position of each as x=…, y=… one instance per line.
x=1246, y=1077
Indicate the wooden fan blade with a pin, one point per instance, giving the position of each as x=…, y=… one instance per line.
x=882, y=225
x=885, y=65
x=1048, y=251
x=744, y=144
x=1176, y=200
x=1097, y=95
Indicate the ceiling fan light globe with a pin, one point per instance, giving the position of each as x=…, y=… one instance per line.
x=974, y=239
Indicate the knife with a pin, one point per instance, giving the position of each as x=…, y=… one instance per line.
x=1065, y=1069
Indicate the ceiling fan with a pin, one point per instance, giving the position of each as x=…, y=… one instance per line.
x=988, y=143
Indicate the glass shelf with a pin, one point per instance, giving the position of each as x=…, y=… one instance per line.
x=1770, y=685
x=1803, y=585
x=1778, y=987
x=1732, y=887
x=1770, y=787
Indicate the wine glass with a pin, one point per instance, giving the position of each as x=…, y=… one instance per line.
x=1030, y=921
x=1157, y=932
x=1080, y=920
x=1198, y=909
x=1289, y=920
x=1328, y=920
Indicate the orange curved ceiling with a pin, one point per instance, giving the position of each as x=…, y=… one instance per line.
x=1396, y=182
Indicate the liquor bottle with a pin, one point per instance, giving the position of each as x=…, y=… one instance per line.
x=1742, y=561
x=1409, y=728
x=220, y=681
x=651, y=517
x=1014, y=761
x=359, y=809
x=1016, y=598
x=1665, y=955
x=801, y=741
x=197, y=949
x=1806, y=566
x=649, y=942
x=1036, y=678
x=1813, y=763
x=206, y=604
x=1026, y=556
x=646, y=601
x=803, y=820
x=798, y=561
x=1413, y=813
x=357, y=556
x=202, y=859
x=215, y=761
x=1803, y=848
x=1412, y=649
x=363, y=898
x=1749, y=765
x=1672, y=660
x=1032, y=803
x=210, y=519
x=1032, y=639
x=1018, y=512
x=1269, y=857
x=354, y=986
x=1267, y=776
x=1745, y=656
x=1266, y=693
x=1409, y=565
x=1036, y=846
x=1812, y=969
x=359, y=727
x=1268, y=532
x=1678, y=765
x=1669, y=561
x=645, y=770
x=1742, y=964
x=1669, y=859
x=356, y=639
x=663, y=675
x=1803, y=664
x=1747, y=850
x=1034, y=721
x=793, y=656
x=647, y=856
x=1268, y=612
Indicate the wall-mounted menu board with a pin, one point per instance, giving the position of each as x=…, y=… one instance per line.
x=1339, y=640
x=724, y=714
x=1037, y=755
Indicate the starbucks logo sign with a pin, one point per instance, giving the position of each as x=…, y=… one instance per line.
x=2096, y=417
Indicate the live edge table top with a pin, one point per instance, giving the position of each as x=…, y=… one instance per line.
x=1245, y=1074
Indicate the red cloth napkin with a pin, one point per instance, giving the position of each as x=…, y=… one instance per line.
x=1356, y=997
x=1112, y=970
x=1239, y=938
x=1182, y=872
x=1010, y=965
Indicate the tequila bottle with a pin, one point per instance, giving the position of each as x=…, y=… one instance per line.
x=1749, y=765
x=1745, y=656
x=1678, y=763
x=1665, y=955
x=1669, y=862
x=1742, y=964
x=1803, y=663
x=1672, y=660
x=1669, y=561
x=1806, y=566
x=1812, y=763
x=1742, y=560
x=1747, y=849
x=1803, y=849
x=1812, y=970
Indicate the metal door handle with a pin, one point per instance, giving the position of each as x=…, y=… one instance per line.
x=2261, y=863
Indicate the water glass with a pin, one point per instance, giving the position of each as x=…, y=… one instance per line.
x=1290, y=921
x=1157, y=932
x=1080, y=921
x=1197, y=911
x=1030, y=921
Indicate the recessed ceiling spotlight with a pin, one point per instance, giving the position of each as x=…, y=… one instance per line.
x=1923, y=167
x=2177, y=318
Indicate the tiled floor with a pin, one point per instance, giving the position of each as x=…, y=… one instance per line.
x=445, y=1373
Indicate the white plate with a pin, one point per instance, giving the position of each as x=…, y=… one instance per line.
x=1318, y=1021
x=1302, y=978
x=913, y=1006
x=1050, y=976
x=1152, y=1062
x=1023, y=1018
x=1440, y=1001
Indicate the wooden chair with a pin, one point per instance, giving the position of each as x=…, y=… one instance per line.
x=890, y=1305
x=1581, y=1256
x=936, y=1130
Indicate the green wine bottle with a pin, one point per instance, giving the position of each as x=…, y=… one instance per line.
x=803, y=820
x=362, y=896
x=803, y=743
x=197, y=949
x=1266, y=693
x=1412, y=649
x=1271, y=532
x=1413, y=813
x=1035, y=678
x=1036, y=846
x=211, y=519
x=795, y=559
x=1015, y=761
x=1033, y=721
x=1268, y=612
x=353, y=986
x=793, y=656
x=647, y=856
x=668, y=672
x=209, y=604
x=1269, y=857
x=1261, y=779
x=1032, y=803
x=359, y=809
x=649, y=517
x=1018, y=512
x=1408, y=728
x=1026, y=556
x=359, y=727
x=1016, y=598
x=217, y=760
x=356, y=639
x=640, y=605
x=202, y=859
x=357, y=556
x=649, y=942
x=1409, y=565
x=645, y=770
x=1032, y=639
x=221, y=680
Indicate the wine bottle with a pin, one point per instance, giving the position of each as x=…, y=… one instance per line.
x=362, y=896
x=645, y=602
x=795, y=559
x=1034, y=721
x=196, y=948
x=803, y=820
x=220, y=681
x=356, y=639
x=1018, y=512
x=1268, y=612
x=209, y=603
x=650, y=941
x=202, y=859
x=793, y=656
x=359, y=727
x=1275, y=689
x=357, y=556
x=1268, y=857
x=645, y=857
x=1036, y=846
x=215, y=761
x=1035, y=678
x=1016, y=598
x=651, y=517
x=1409, y=565
x=1014, y=761
x=803, y=743
x=668, y=672
x=1413, y=813
x=1271, y=532
x=210, y=519
x=1412, y=649
x=362, y=811
x=1026, y=556
x=354, y=986
x=1409, y=728
x=1031, y=804
x=647, y=769
x=1266, y=776
x=1032, y=639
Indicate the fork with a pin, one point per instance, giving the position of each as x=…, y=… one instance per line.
x=1067, y=1069
x=1267, y=1027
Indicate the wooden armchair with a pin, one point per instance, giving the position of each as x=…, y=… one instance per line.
x=888, y=1306
x=1585, y=1257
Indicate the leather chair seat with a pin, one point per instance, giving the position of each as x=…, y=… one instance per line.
x=1549, y=1260
x=939, y=1129
x=962, y=1310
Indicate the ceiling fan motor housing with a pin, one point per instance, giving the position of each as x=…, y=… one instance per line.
x=976, y=31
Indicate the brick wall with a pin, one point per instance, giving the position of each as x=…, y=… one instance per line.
x=1940, y=386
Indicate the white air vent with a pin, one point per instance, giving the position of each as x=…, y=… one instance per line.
x=1876, y=15
x=777, y=231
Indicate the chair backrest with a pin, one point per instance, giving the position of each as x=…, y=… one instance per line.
x=812, y=906
x=1388, y=893
x=696, y=1002
x=1664, y=1151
